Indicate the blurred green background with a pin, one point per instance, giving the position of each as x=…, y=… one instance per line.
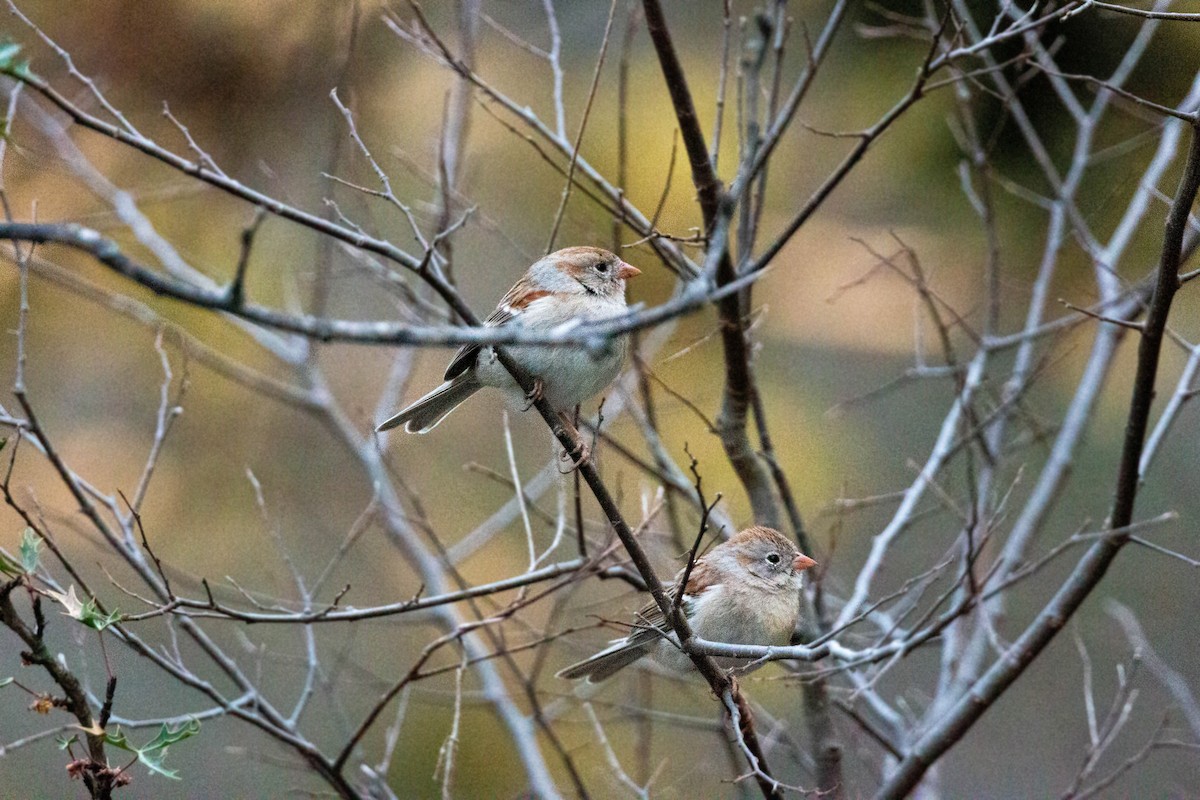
x=252, y=83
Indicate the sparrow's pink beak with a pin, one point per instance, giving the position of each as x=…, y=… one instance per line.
x=802, y=562
x=627, y=271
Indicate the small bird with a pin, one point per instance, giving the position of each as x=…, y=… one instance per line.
x=576, y=283
x=744, y=591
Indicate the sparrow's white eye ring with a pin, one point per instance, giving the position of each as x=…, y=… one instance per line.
x=773, y=558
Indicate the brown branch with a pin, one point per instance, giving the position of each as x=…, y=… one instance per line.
x=708, y=185
x=99, y=779
x=739, y=380
x=716, y=211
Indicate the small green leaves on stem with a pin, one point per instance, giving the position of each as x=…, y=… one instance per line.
x=31, y=544
x=29, y=553
x=88, y=613
x=154, y=752
x=9, y=63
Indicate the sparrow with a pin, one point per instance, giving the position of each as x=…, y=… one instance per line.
x=744, y=591
x=576, y=283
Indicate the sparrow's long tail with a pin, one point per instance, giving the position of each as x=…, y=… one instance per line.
x=424, y=415
x=606, y=663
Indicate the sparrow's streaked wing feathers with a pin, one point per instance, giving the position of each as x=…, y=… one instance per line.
x=649, y=627
x=651, y=624
x=518, y=298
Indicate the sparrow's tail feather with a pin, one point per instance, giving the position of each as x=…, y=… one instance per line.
x=606, y=663
x=423, y=415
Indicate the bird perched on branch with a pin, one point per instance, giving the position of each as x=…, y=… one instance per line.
x=744, y=591
x=577, y=283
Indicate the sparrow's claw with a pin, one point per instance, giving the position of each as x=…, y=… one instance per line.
x=585, y=452
x=585, y=456
x=534, y=394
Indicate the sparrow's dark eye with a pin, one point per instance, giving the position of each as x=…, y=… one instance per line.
x=602, y=267
x=773, y=558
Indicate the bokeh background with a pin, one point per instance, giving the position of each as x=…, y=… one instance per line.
x=252, y=83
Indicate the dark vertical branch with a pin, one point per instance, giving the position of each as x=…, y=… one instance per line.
x=735, y=403
x=237, y=289
x=1088, y=573
x=708, y=185
x=740, y=387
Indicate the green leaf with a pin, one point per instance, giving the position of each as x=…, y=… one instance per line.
x=5, y=682
x=10, y=567
x=166, y=736
x=118, y=740
x=10, y=64
x=31, y=543
x=153, y=753
x=66, y=741
x=97, y=621
x=153, y=760
x=88, y=613
x=8, y=52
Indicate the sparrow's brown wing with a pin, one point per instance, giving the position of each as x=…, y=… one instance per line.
x=517, y=298
x=650, y=623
